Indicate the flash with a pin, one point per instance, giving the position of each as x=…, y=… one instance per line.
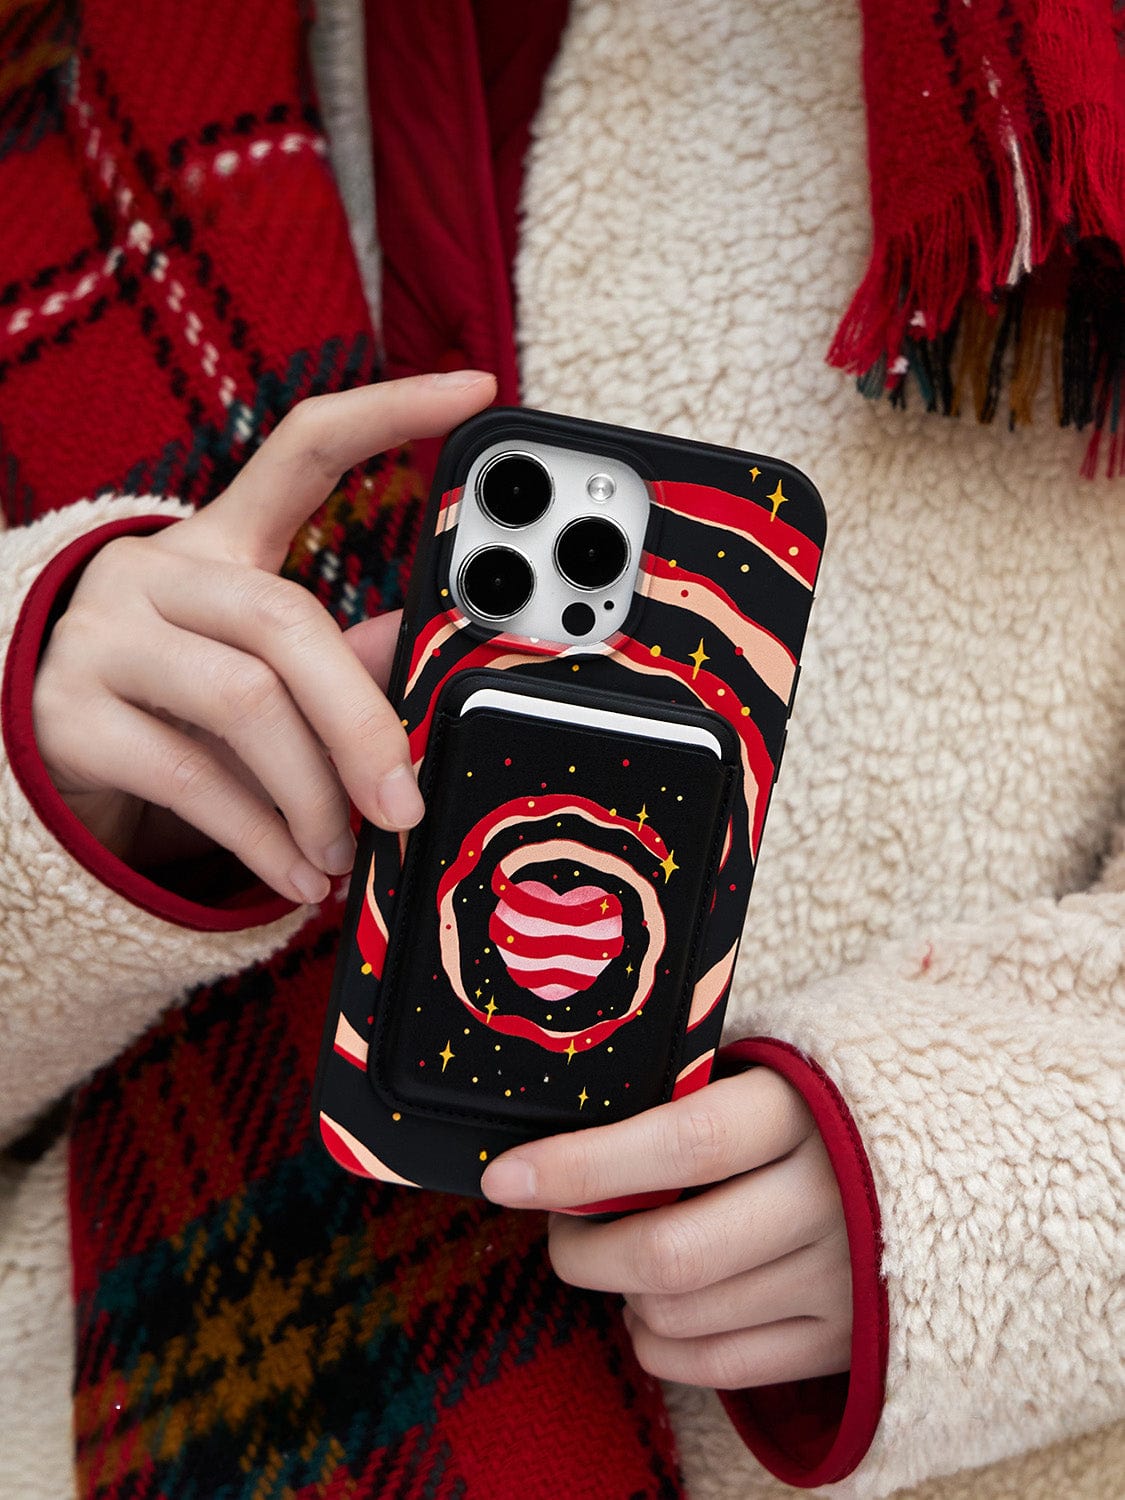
x=601, y=487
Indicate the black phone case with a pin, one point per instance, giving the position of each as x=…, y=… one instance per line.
x=552, y=947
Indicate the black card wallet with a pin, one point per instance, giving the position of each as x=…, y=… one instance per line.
x=542, y=961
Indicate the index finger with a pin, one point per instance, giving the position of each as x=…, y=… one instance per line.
x=301, y=461
x=724, y=1128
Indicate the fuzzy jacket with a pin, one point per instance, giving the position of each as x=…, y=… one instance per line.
x=939, y=918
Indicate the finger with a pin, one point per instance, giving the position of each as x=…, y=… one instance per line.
x=794, y=1349
x=241, y=699
x=725, y=1128
x=805, y=1283
x=374, y=642
x=301, y=461
x=280, y=623
x=748, y=1221
x=130, y=750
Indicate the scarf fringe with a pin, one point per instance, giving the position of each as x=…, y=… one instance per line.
x=940, y=304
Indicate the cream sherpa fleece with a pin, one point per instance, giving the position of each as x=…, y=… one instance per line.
x=696, y=219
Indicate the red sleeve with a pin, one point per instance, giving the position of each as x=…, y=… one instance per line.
x=814, y=1432
x=230, y=897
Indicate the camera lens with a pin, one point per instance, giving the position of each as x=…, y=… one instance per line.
x=496, y=582
x=515, y=489
x=591, y=553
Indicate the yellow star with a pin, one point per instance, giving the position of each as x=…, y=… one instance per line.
x=778, y=500
x=446, y=1056
x=642, y=815
x=628, y=968
x=698, y=656
x=583, y=1096
x=604, y=907
x=570, y=1051
x=478, y=994
x=490, y=1008
x=754, y=472
x=668, y=865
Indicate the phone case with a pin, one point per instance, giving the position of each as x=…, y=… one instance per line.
x=552, y=946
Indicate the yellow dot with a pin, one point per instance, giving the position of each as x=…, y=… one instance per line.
x=793, y=551
x=613, y=812
x=497, y=1047
x=366, y=969
x=548, y=1018
x=484, y=1154
x=488, y=950
x=418, y=1008
x=507, y=1093
x=476, y=1080
x=671, y=562
x=575, y=667
x=744, y=711
x=606, y=1103
x=396, y=1115
x=468, y=773
x=722, y=692
x=609, y=1049
x=509, y=938
x=472, y=854
x=570, y=768
x=720, y=553
x=745, y=568
x=405, y=723
x=466, y=1031
x=445, y=593
x=578, y=872
x=654, y=650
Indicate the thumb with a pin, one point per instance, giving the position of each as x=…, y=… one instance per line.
x=373, y=641
x=300, y=462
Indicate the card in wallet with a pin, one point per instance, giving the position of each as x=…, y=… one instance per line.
x=541, y=966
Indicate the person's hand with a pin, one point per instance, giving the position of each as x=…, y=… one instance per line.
x=746, y=1283
x=188, y=696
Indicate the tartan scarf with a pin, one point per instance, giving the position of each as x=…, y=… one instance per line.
x=250, y=1322
x=996, y=147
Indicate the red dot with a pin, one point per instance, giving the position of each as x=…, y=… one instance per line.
x=421, y=1062
x=542, y=786
x=507, y=760
x=436, y=651
x=626, y=1085
x=738, y=651
x=733, y=886
x=371, y=1020
x=683, y=593
x=523, y=1088
x=624, y=762
x=390, y=892
x=599, y=1012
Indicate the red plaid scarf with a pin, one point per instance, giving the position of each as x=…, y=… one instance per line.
x=996, y=133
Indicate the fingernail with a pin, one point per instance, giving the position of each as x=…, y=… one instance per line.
x=312, y=884
x=510, y=1180
x=400, y=798
x=338, y=857
x=457, y=380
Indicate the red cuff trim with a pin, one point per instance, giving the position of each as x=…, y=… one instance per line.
x=814, y=1432
x=47, y=594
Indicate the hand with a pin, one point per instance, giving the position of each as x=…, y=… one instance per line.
x=748, y=1282
x=189, y=697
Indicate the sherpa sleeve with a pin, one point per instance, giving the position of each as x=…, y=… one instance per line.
x=970, y=1089
x=91, y=951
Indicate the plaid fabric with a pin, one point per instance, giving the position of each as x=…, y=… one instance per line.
x=250, y=1321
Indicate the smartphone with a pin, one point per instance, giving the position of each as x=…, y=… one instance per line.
x=596, y=669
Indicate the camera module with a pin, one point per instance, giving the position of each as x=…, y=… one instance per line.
x=515, y=489
x=591, y=553
x=496, y=582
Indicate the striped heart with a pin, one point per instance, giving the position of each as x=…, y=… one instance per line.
x=554, y=943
